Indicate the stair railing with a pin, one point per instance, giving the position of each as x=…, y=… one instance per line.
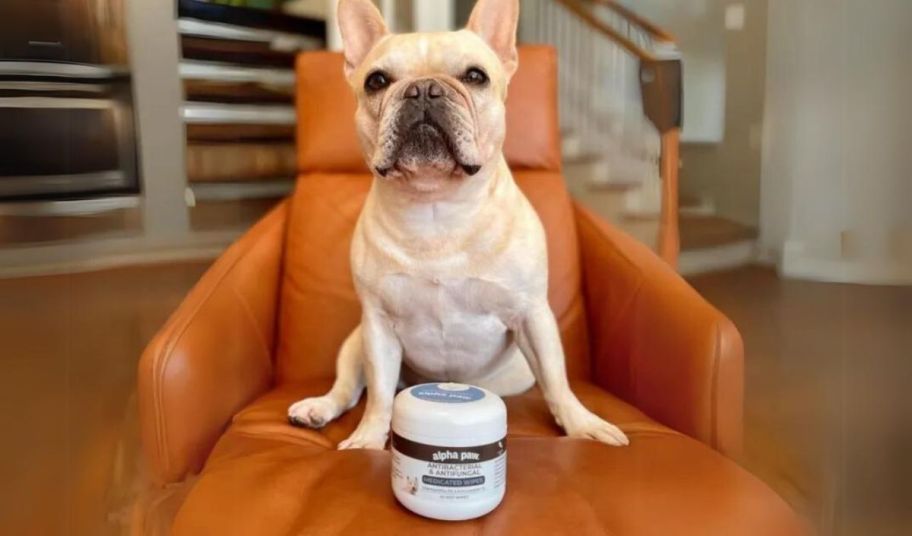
x=620, y=94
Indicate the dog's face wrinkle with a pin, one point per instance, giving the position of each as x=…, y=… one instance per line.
x=471, y=117
x=421, y=130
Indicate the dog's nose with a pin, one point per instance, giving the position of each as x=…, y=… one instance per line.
x=424, y=89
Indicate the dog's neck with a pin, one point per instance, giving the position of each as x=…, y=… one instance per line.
x=428, y=222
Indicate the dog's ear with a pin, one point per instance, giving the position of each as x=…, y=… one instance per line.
x=361, y=26
x=496, y=21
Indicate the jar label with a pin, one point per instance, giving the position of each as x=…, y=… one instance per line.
x=448, y=393
x=448, y=473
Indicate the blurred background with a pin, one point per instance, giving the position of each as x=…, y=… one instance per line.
x=760, y=146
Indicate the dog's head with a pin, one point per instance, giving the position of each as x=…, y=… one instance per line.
x=430, y=106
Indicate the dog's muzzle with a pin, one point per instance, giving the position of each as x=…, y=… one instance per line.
x=427, y=129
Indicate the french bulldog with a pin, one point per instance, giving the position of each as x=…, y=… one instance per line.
x=448, y=256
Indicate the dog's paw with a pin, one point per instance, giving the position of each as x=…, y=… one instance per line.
x=366, y=437
x=587, y=425
x=313, y=412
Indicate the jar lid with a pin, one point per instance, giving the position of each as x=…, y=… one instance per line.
x=453, y=412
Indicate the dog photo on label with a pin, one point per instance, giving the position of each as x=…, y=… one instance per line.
x=448, y=256
x=411, y=485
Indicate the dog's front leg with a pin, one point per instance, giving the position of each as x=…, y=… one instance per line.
x=382, y=361
x=539, y=340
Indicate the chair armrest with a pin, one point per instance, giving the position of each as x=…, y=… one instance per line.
x=656, y=342
x=214, y=355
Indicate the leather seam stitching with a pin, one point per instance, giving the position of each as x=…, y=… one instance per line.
x=714, y=389
x=168, y=351
x=252, y=319
x=589, y=220
x=164, y=356
x=634, y=297
x=633, y=371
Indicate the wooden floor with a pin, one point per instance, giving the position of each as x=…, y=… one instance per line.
x=828, y=405
x=70, y=344
x=828, y=422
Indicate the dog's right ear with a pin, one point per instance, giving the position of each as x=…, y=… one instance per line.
x=361, y=26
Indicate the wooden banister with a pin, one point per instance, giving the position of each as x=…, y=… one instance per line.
x=580, y=9
x=661, y=80
x=669, y=242
x=657, y=33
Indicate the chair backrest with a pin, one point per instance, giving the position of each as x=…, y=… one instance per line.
x=319, y=307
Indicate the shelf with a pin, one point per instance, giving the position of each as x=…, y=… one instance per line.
x=234, y=92
x=252, y=18
x=277, y=40
x=228, y=216
x=234, y=51
x=233, y=191
x=226, y=72
x=249, y=114
x=227, y=133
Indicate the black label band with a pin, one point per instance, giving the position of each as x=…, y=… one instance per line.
x=438, y=454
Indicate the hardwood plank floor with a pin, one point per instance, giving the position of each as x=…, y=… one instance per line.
x=828, y=412
x=70, y=345
x=829, y=424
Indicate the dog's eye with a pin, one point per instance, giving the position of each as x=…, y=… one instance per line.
x=475, y=76
x=377, y=81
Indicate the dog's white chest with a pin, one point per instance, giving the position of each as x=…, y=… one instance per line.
x=450, y=329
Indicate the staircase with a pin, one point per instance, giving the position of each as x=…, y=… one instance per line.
x=710, y=242
x=620, y=107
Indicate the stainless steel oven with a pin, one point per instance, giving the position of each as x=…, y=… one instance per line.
x=52, y=30
x=65, y=138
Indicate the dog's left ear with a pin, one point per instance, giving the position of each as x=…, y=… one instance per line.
x=496, y=21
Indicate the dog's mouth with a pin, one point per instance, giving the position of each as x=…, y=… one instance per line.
x=426, y=147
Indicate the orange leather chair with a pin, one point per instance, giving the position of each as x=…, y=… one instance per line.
x=262, y=328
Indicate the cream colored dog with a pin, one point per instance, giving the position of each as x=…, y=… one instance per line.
x=449, y=257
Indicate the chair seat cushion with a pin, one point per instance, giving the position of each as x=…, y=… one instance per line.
x=266, y=477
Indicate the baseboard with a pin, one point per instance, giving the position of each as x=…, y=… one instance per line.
x=717, y=259
x=797, y=264
x=767, y=256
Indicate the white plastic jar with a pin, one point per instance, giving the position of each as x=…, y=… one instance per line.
x=449, y=450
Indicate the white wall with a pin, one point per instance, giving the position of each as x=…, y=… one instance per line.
x=699, y=28
x=727, y=174
x=422, y=15
x=434, y=15
x=836, y=185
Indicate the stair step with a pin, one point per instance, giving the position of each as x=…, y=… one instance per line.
x=596, y=172
x=701, y=232
x=612, y=186
x=689, y=201
x=583, y=159
x=692, y=205
x=642, y=216
x=716, y=259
